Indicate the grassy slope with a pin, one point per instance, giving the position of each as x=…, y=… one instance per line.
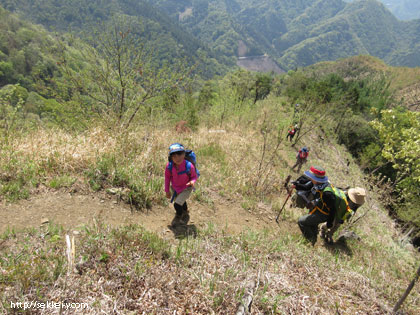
x=131, y=269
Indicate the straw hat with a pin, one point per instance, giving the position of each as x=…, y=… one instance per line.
x=357, y=195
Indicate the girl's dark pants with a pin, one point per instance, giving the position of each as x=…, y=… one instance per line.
x=180, y=209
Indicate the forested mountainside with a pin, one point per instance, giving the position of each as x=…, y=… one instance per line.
x=294, y=33
x=402, y=9
x=154, y=28
x=29, y=67
x=300, y=33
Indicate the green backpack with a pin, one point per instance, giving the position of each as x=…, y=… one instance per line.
x=343, y=211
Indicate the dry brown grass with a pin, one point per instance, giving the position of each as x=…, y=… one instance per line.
x=129, y=270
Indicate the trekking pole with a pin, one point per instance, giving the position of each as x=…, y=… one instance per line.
x=288, y=196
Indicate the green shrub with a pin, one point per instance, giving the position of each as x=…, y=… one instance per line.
x=62, y=181
x=356, y=134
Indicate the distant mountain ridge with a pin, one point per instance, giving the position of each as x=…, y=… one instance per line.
x=402, y=9
x=300, y=33
x=216, y=32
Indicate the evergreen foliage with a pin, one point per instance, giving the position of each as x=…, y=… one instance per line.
x=159, y=32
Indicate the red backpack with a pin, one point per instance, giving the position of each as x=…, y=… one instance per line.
x=303, y=154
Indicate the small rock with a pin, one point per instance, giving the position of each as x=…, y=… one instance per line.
x=114, y=191
x=348, y=235
x=247, y=220
x=115, y=202
x=44, y=221
x=76, y=232
x=102, y=201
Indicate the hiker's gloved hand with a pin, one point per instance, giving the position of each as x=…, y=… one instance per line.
x=329, y=238
x=310, y=205
x=168, y=195
x=191, y=184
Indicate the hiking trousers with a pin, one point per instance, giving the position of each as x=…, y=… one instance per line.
x=299, y=163
x=308, y=224
x=182, y=197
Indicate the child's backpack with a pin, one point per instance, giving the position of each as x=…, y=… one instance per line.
x=190, y=158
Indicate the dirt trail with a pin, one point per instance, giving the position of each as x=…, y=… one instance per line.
x=72, y=211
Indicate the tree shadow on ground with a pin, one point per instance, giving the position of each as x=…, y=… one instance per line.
x=340, y=246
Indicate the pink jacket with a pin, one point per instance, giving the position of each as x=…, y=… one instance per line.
x=179, y=182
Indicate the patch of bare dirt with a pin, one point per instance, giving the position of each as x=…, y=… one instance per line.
x=72, y=211
x=188, y=12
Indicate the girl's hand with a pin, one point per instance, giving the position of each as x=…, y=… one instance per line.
x=168, y=195
x=191, y=184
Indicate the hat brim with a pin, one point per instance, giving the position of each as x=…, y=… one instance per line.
x=176, y=150
x=317, y=179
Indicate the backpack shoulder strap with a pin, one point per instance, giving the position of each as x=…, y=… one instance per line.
x=187, y=168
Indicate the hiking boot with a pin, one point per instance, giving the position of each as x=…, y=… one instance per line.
x=326, y=236
x=323, y=234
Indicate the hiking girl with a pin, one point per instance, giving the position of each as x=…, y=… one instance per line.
x=180, y=178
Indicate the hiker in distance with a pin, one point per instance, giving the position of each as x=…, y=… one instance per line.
x=320, y=200
x=347, y=203
x=296, y=109
x=291, y=132
x=301, y=158
x=180, y=178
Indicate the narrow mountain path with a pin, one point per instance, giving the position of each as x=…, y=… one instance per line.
x=73, y=211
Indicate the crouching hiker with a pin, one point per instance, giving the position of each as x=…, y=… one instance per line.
x=346, y=205
x=181, y=175
x=321, y=202
x=301, y=158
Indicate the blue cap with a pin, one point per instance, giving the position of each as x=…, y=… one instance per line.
x=176, y=147
x=305, y=149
